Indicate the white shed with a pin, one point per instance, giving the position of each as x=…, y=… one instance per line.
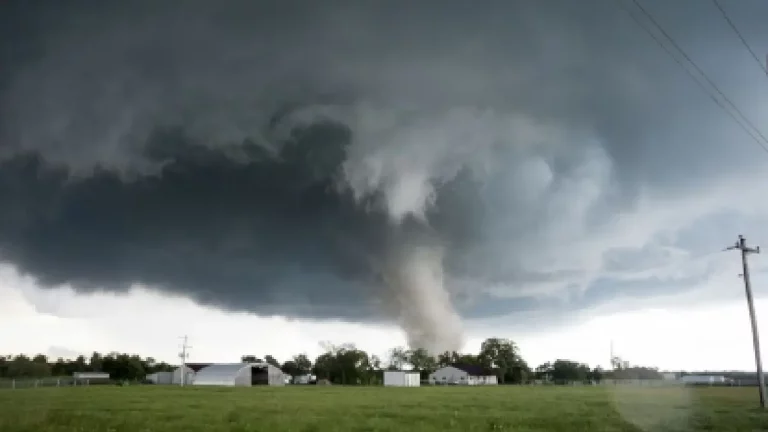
x=160, y=378
x=402, y=379
x=90, y=378
x=240, y=374
x=304, y=379
x=669, y=376
x=703, y=379
x=459, y=374
x=189, y=375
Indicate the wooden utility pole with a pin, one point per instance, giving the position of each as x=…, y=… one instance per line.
x=741, y=245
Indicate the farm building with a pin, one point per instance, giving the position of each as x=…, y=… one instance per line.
x=160, y=378
x=668, y=376
x=87, y=378
x=304, y=379
x=402, y=379
x=704, y=379
x=462, y=374
x=240, y=374
x=191, y=371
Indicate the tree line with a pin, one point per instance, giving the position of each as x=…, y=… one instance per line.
x=344, y=364
x=119, y=366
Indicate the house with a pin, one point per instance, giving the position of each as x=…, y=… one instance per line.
x=463, y=374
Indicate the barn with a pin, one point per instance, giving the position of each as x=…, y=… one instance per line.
x=463, y=374
x=239, y=374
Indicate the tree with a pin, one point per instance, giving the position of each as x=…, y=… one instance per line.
x=290, y=368
x=398, y=358
x=271, y=360
x=597, y=374
x=22, y=366
x=502, y=356
x=324, y=366
x=96, y=363
x=303, y=363
x=519, y=373
x=422, y=362
x=420, y=359
x=250, y=359
x=375, y=362
x=344, y=364
x=544, y=371
x=566, y=371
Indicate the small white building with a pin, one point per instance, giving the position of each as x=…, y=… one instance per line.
x=704, y=379
x=86, y=378
x=240, y=374
x=189, y=375
x=460, y=374
x=402, y=379
x=190, y=369
x=304, y=379
x=90, y=376
x=160, y=378
x=669, y=376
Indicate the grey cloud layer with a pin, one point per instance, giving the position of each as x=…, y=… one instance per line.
x=249, y=150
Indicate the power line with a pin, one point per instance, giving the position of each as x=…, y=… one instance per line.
x=741, y=122
x=738, y=33
x=698, y=69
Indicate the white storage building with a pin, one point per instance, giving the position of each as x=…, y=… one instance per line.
x=304, y=379
x=191, y=372
x=461, y=374
x=160, y=378
x=668, y=376
x=189, y=375
x=90, y=378
x=704, y=379
x=402, y=379
x=240, y=374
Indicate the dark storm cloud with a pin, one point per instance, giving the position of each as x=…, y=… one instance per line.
x=271, y=231
x=251, y=154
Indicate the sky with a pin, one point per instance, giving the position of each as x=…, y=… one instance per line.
x=541, y=172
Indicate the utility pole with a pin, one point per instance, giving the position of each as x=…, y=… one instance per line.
x=612, y=363
x=741, y=245
x=184, y=355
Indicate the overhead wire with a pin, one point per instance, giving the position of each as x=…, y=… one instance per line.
x=703, y=74
x=741, y=37
x=757, y=136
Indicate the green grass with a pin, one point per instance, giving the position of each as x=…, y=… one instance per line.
x=311, y=408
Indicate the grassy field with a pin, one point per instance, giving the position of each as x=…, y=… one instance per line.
x=311, y=408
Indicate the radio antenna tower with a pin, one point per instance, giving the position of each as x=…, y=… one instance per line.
x=184, y=355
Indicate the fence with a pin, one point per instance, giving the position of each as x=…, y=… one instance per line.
x=24, y=383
